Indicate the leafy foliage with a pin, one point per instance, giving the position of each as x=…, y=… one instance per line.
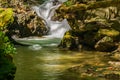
x=7, y=67
x=5, y=46
x=6, y=18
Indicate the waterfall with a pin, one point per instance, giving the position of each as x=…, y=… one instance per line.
x=56, y=28
x=46, y=11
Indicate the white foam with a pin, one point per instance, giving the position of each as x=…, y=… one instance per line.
x=35, y=47
x=56, y=28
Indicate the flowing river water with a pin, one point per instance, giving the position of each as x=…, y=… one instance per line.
x=51, y=63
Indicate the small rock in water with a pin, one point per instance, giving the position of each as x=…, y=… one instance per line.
x=35, y=47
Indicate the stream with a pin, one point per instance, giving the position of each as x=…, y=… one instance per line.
x=47, y=62
x=51, y=63
x=44, y=61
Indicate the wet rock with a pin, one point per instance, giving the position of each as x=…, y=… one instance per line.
x=26, y=22
x=93, y=28
x=105, y=44
x=69, y=42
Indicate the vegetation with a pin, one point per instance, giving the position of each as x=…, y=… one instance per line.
x=6, y=18
x=95, y=25
x=7, y=68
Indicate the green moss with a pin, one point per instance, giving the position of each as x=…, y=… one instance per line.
x=68, y=3
x=66, y=41
x=67, y=35
x=6, y=17
x=69, y=41
x=109, y=32
x=5, y=46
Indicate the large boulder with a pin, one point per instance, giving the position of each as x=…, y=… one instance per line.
x=95, y=24
x=26, y=22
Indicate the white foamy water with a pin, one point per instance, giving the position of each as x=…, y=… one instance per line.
x=56, y=29
x=46, y=11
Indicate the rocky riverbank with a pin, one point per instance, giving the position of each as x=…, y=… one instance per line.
x=96, y=27
x=93, y=27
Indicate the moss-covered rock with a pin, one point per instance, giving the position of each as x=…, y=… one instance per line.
x=6, y=17
x=109, y=32
x=106, y=44
x=26, y=21
x=95, y=24
x=69, y=41
x=27, y=24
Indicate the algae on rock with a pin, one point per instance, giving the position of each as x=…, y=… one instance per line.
x=93, y=22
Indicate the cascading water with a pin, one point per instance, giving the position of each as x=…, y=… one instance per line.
x=56, y=29
x=46, y=11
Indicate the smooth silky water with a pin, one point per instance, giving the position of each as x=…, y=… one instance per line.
x=51, y=63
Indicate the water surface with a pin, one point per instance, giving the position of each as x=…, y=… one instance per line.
x=50, y=63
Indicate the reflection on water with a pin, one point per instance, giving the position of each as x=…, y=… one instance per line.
x=50, y=63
